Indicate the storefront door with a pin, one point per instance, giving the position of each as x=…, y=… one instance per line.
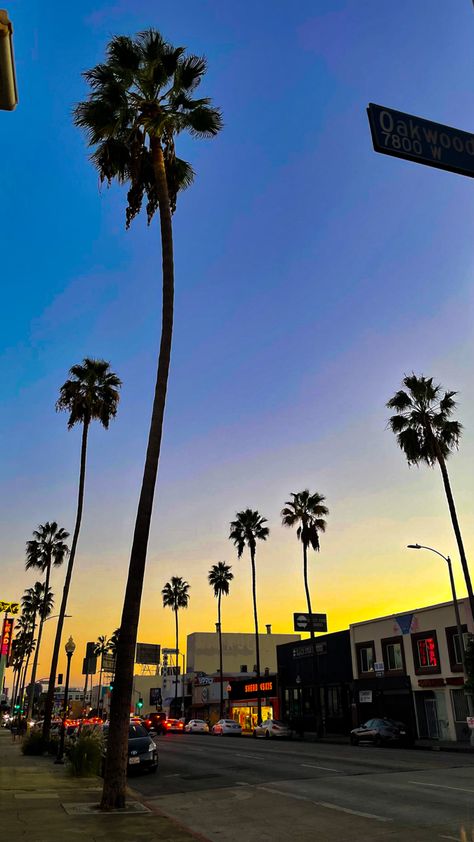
x=431, y=710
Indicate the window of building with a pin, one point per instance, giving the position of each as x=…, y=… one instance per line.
x=334, y=702
x=426, y=653
x=393, y=654
x=365, y=656
x=457, y=647
x=460, y=707
x=454, y=647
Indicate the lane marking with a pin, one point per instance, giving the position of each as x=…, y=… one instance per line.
x=250, y=756
x=456, y=838
x=441, y=786
x=325, y=804
x=312, y=766
x=352, y=812
x=174, y=775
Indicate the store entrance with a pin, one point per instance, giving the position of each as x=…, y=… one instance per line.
x=247, y=717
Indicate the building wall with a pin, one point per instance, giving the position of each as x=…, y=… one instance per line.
x=238, y=650
x=433, y=685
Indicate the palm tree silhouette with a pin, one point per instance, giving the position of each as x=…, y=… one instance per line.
x=141, y=98
x=245, y=531
x=175, y=596
x=307, y=512
x=219, y=578
x=426, y=433
x=90, y=394
x=47, y=548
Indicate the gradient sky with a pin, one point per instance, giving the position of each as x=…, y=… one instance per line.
x=311, y=274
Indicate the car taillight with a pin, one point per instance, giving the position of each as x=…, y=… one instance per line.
x=180, y=725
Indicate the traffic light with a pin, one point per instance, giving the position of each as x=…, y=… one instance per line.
x=140, y=704
x=16, y=708
x=111, y=686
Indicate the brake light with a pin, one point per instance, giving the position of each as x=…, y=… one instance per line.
x=180, y=725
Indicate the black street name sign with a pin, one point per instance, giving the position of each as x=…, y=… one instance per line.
x=416, y=139
x=304, y=622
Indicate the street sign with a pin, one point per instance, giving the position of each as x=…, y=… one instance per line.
x=9, y=607
x=167, y=651
x=365, y=696
x=108, y=662
x=416, y=139
x=304, y=622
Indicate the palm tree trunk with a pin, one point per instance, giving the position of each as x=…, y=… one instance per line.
x=177, y=663
x=117, y=753
x=99, y=709
x=257, y=641
x=48, y=710
x=457, y=530
x=314, y=669
x=221, y=705
x=31, y=694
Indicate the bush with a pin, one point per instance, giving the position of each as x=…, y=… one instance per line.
x=34, y=744
x=86, y=755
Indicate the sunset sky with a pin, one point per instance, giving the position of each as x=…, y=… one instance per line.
x=311, y=274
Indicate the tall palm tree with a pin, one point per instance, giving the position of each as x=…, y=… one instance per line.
x=219, y=578
x=23, y=644
x=141, y=97
x=47, y=548
x=307, y=511
x=175, y=596
x=245, y=531
x=32, y=603
x=90, y=394
x=426, y=433
x=101, y=648
x=113, y=642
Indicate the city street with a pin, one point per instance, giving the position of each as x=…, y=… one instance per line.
x=229, y=789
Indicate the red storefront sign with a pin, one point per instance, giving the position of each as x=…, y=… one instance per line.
x=7, y=637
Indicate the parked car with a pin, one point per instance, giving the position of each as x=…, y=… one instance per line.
x=271, y=728
x=196, y=726
x=227, y=728
x=381, y=731
x=142, y=750
x=174, y=726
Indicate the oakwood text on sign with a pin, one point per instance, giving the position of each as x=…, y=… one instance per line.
x=416, y=139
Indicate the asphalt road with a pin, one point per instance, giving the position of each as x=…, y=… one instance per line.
x=240, y=788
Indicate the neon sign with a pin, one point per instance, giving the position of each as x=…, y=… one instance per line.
x=7, y=637
x=253, y=688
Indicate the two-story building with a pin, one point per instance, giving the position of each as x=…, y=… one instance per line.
x=409, y=667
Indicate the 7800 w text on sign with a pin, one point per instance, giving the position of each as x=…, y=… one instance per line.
x=416, y=139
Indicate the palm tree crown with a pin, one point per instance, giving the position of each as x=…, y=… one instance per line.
x=91, y=393
x=246, y=529
x=422, y=423
x=219, y=578
x=47, y=547
x=306, y=511
x=144, y=93
x=102, y=646
x=36, y=599
x=176, y=594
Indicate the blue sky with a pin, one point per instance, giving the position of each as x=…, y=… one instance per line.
x=311, y=274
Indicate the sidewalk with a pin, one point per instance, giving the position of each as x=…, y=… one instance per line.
x=36, y=795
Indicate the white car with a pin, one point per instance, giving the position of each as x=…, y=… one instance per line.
x=227, y=728
x=196, y=726
x=270, y=728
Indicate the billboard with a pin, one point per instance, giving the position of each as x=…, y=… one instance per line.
x=148, y=653
x=7, y=638
x=108, y=662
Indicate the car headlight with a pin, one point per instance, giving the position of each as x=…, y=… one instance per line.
x=152, y=746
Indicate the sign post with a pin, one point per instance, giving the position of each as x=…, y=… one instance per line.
x=416, y=139
x=307, y=622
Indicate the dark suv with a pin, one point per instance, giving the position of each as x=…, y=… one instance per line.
x=155, y=721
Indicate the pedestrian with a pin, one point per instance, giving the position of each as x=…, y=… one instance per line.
x=22, y=728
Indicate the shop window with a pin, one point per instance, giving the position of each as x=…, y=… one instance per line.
x=365, y=656
x=425, y=653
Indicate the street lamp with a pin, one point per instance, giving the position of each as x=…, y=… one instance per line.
x=69, y=647
x=455, y=600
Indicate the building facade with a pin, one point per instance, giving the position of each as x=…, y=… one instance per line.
x=316, y=691
x=238, y=651
x=408, y=667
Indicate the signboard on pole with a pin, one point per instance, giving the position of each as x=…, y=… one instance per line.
x=7, y=638
x=168, y=651
x=306, y=622
x=416, y=139
x=148, y=653
x=365, y=696
x=108, y=662
x=9, y=607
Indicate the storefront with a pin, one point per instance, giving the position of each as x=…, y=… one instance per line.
x=243, y=699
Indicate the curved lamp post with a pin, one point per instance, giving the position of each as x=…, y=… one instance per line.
x=458, y=620
x=69, y=647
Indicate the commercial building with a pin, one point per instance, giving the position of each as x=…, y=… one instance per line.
x=238, y=651
x=408, y=667
x=330, y=671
